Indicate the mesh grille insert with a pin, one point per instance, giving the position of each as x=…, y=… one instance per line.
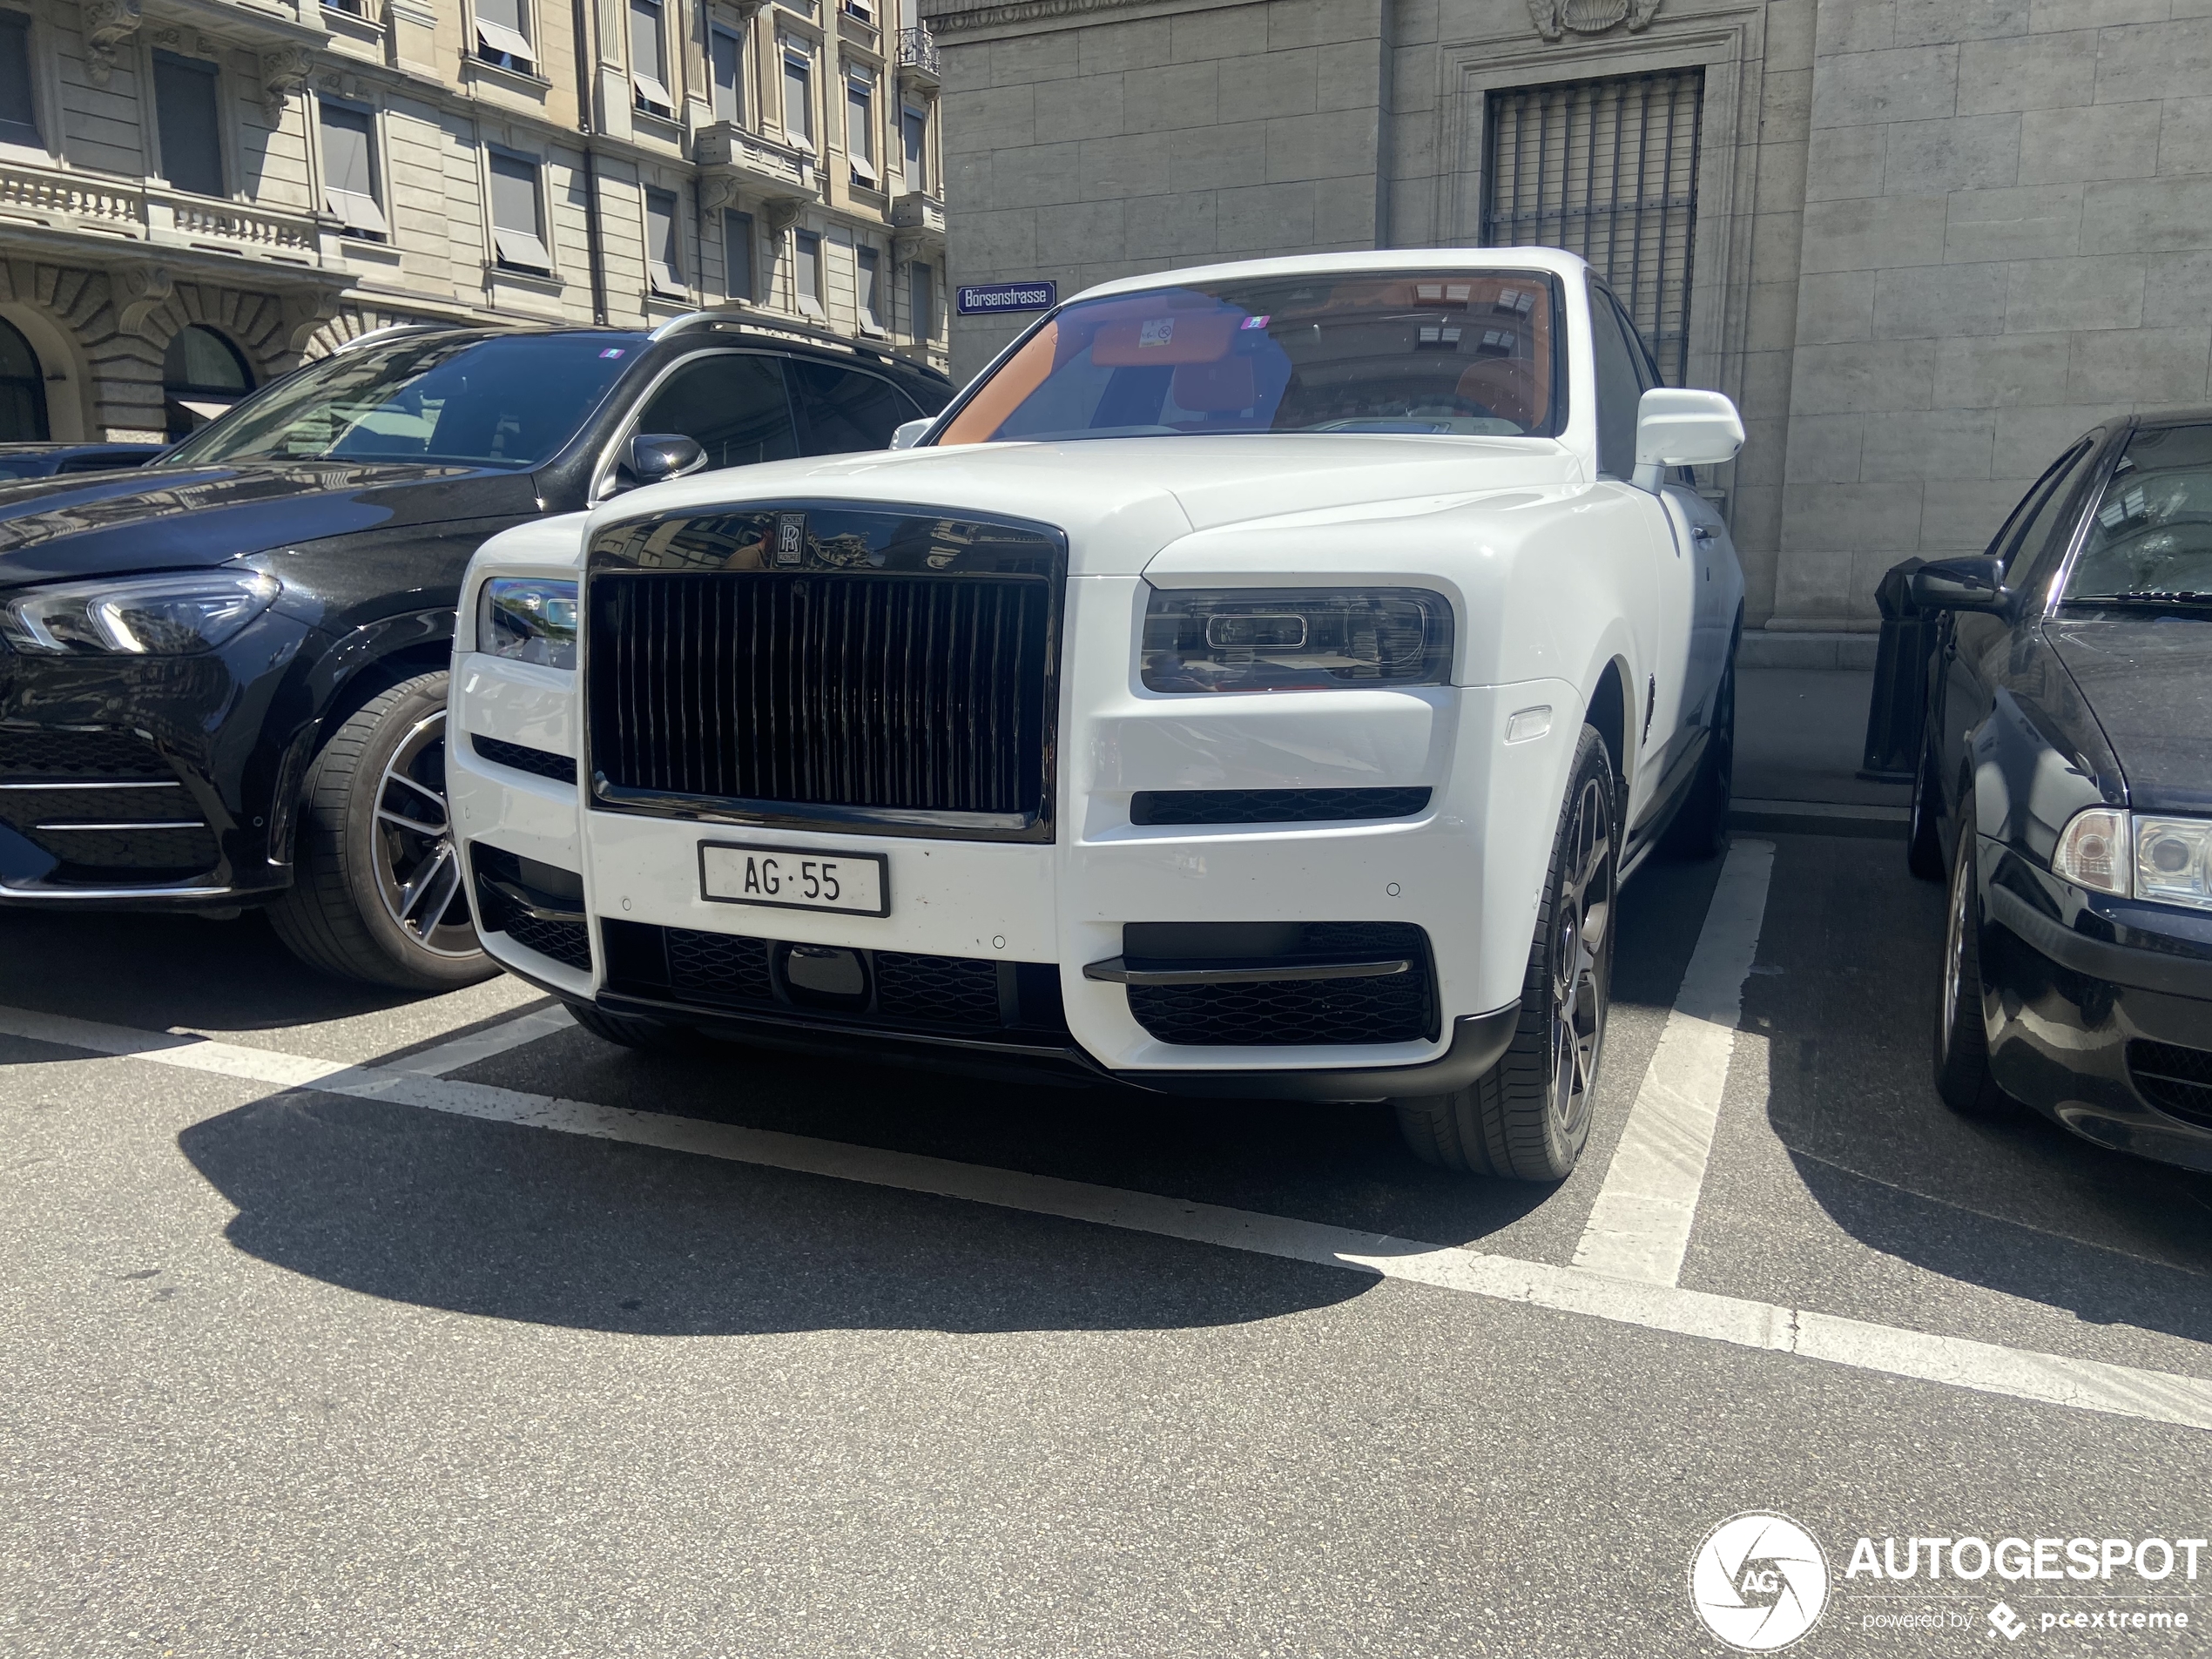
x=1272, y=805
x=54, y=751
x=537, y=762
x=2177, y=1081
x=941, y=991
x=1304, y=1013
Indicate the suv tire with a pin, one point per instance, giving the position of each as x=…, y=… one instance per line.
x=1961, y=1029
x=377, y=886
x=1528, y=1116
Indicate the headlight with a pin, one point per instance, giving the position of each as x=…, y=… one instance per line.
x=528, y=619
x=162, y=616
x=2169, y=860
x=1268, y=639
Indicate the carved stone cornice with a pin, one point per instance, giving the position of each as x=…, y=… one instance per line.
x=284, y=71
x=108, y=24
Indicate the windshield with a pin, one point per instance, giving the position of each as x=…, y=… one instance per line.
x=2151, y=536
x=1466, y=353
x=511, y=400
x=23, y=466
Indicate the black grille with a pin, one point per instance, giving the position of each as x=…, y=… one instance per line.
x=52, y=752
x=1015, y=1002
x=911, y=693
x=537, y=762
x=1272, y=805
x=2177, y=1081
x=1398, y=1007
x=147, y=854
x=565, y=941
x=538, y=905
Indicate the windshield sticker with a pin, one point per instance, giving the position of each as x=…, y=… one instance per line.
x=1259, y=321
x=612, y=351
x=1159, y=331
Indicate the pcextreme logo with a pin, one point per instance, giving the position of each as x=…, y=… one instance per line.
x=1758, y=1581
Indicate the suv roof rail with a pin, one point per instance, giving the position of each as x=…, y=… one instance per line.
x=785, y=328
x=386, y=333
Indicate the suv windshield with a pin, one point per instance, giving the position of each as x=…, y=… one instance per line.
x=2151, y=538
x=511, y=400
x=1469, y=353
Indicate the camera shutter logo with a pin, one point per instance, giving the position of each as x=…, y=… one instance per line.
x=1758, y=1581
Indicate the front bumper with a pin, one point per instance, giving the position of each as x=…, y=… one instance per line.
x=134, y=783
x=2086, y=1029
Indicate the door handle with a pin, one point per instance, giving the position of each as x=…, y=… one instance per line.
x=1701, y=532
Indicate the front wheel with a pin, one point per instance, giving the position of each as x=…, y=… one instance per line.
x=1962, y=1074
x=1528, y=1118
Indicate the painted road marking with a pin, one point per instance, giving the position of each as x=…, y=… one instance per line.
x=1640, y=1226
x=460, y=1052
x=2087, y=1384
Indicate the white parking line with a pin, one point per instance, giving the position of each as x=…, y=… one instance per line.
x=477, y=1046
x=2087, y=1384
x=1640, y=1227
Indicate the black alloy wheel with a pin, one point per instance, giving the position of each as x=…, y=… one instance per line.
x=1962, y=1074
x=1528, y=1118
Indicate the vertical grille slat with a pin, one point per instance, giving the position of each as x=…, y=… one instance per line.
x=891, y=691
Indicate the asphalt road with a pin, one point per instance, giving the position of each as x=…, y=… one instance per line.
x=304, y=1350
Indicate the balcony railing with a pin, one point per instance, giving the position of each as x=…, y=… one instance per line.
x=918, y=49
x=116, y=210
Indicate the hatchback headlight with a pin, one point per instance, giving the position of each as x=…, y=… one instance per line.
x=1282, y=639
x=528, y=619
x=2167, y=860
x=162, y=616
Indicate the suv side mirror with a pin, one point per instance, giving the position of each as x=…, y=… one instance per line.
x=655, y=457
x=1975, y=582
x=1677, y=426
x=907, y=434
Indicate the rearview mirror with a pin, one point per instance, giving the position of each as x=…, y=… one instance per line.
x=655, y=457
x=1976, y=582
x=1677, y=426
x=908, y=433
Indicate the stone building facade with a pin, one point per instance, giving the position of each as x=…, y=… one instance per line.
x=1921, y=242
x=197, y=194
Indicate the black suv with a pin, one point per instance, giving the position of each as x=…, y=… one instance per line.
x=223, y=675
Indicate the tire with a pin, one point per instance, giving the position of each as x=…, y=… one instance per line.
x=376, y=887
x=1528, y=1118
x=1700, y=829
x=1961, y=1031
x=633, y=1031
x=1924, y=850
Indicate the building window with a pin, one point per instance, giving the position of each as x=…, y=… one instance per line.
x=921, y=296
x=202, y=374
x=806, y=273
x=914, y=124
x=186, y=114
x=663, y=259
x=18, y=120
x=798, y=97
x=349, y=172
x=23, y=389
x=727, y=54
x=1608, y=170
x=504, y=36
x=736, y=254
x=649, y=59
x=870, y=291
x=518, y=215
x=859, y=128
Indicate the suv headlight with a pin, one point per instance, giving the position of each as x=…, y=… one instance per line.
x=530, y=619
x=2167, y=860
x=161, y=615
x=1282, y=639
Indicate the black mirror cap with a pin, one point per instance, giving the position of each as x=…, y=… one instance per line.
x=657, y=457
x=1976, y=582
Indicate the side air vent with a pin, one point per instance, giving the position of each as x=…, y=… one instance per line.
x=539, y=762
x=1273, y=805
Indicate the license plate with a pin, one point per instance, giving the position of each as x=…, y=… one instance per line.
x=791, y=877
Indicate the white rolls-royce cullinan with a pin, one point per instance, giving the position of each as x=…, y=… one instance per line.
x=1258, y=682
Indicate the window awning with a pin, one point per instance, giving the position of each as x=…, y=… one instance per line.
x=498, y=37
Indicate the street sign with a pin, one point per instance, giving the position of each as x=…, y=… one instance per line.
x=987, y=297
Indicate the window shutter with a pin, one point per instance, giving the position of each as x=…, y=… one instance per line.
x=662, y=264
x=736, y=254
x=501, y=30
x=727, y=56
x=648, y=59
x=185, y=115
x=518, y=232
x=859, y=128
x=348, y=177
x=799, y=117
x=18, y=120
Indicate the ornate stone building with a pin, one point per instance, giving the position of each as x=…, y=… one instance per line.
x=1921, y=242
x=197, y=194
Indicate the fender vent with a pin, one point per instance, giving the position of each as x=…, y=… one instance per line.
x=1273, y=805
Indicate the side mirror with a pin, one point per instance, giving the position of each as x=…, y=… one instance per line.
x=1976, y=582
x=1677, y=427
x=908, y=433
x=655, y=457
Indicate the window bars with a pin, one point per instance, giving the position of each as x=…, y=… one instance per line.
x=1606, y=168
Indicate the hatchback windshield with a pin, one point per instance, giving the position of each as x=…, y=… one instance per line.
x=511, y=400
x=1470, y=353
x=2152, y=536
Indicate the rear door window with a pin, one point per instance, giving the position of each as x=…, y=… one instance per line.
x=733, y=404
x=843, y=410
